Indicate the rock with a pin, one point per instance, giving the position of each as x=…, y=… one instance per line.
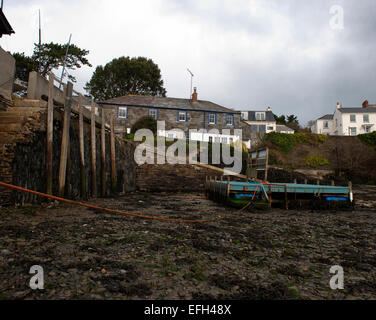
x=5, y=252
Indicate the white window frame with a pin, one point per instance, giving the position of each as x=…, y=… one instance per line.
x=155, y=116
x=350, y=131
x=353, y=115
x=214, y=116
x=224, y=140
x=182, y=113
x=217, y=139
x=229, y=119
x=121, y=110
x=326, y=124
x=364, y=116
x=260, y=116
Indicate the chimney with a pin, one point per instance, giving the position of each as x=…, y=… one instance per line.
x=194, y=95
x=339, y=105
x=365, y=104
x=268, y=109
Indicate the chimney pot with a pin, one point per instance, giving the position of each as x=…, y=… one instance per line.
x=365, y=104
x=194, y=95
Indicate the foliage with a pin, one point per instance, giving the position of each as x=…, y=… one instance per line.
x=24, y=65
x=315, y=161
x=368, y=138
x=280, y=119
x=125, y=76
x=286, y=142
x=52, y=56
x=145, y=123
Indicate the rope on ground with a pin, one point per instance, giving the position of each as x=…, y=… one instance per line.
x=91, y=206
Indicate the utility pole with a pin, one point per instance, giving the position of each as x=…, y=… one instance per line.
x=65, y=60
x=190, y=92
x=40, y=45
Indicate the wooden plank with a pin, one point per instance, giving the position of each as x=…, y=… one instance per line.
x=266, y=165
x=93, y=152
x=50, y=129
x=113, y=154
x=103, y=153
x=65, y=139
x=82, y=147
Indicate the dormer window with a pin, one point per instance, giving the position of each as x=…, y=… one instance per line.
x=260, y=116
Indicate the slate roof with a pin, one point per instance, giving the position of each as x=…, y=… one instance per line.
x=370, y=109
x=282, y=127
x=327, y=117
x=168, y=103
x=5, y=27
x=268, y=116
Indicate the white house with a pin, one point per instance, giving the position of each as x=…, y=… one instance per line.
x=347, y=121
x=323, y=125
x=260, y=121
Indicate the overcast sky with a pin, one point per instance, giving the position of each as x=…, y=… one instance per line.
x=245, y=54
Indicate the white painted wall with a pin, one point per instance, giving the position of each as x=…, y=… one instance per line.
x=319, y=127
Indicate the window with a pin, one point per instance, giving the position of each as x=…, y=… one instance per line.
x=336, y=122
x=122, y=112
x=352, y=118
x=352, y=131
x=326, y=124
x=212, y=118
x=153, y=113
x=217, y=139
x=170, y=136
x=260, y=116
x=229, y=119
x=365, y=118
x=270, y=128
x=367, y=129
x=210, y=139
x=224, y=140
x=182, y=116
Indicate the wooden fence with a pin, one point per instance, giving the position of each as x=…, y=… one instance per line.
x=73, y=103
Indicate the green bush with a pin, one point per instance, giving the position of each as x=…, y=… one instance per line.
x=368, y=138
x=145, y=123
x=286, y=142
x=315, y=161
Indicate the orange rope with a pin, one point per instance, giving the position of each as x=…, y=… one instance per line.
x=82, y=204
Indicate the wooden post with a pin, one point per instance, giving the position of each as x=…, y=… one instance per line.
x=318, y=182
x=65, y=138
x=93, y=153
x=305, y=181
x=113, y=155
x=82, y=146
x=332, y=182
x=266, y=164
x=50, y=132
x=103, y=154
x=295, y=181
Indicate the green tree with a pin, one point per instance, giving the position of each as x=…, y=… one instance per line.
x=52, y=56
x=280, y=119
x=124, y=76
x=24, y=65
